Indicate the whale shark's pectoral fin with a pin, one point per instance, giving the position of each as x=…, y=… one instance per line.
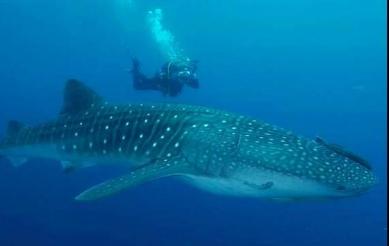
x=141, y=175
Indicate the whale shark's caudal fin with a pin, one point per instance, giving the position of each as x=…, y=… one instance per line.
x=13, y=128
x=78, y=98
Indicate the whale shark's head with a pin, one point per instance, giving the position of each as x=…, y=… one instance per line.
x=346, y=173
x=351, y=180
x=296, y=168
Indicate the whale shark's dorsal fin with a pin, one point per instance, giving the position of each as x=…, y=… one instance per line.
x=78, y=98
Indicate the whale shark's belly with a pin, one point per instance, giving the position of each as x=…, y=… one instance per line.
x=262, y=183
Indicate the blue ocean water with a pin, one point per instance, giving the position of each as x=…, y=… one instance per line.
x=315, y=67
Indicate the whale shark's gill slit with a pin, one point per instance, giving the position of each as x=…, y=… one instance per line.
x=233, y=155
x=177, y=132
x=152, y=133
x=131, y=143
x=116, y=131
x=237, y=143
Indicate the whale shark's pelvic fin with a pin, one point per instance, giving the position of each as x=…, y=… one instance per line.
x=148, y=172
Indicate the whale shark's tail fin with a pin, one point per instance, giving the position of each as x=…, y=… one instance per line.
x=13, y=129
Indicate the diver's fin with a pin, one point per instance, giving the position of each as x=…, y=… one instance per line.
x=17, y=161
x=14, y=127
x=145, y=173
x=78, y=98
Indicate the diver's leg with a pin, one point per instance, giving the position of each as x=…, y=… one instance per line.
x=140, y=81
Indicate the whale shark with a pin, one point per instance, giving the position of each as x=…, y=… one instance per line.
x=218, y=151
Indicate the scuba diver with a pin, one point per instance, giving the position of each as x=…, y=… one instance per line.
x=171, y=78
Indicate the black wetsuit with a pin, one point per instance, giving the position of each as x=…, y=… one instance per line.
x=170, y=80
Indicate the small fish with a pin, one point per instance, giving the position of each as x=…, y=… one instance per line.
x=215, y=150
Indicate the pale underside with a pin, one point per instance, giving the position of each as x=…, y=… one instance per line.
x=262, y=183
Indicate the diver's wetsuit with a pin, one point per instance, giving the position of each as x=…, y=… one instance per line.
x=170, y=80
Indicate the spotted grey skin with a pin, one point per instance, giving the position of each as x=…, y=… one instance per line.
x=217, y=151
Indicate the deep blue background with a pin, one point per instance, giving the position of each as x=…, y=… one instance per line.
x=315, y=67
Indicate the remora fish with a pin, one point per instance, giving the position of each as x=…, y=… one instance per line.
x=217, y=151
